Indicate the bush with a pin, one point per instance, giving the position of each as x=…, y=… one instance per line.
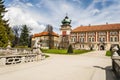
x=46, y=56
x=108, y=53
x=70, y=49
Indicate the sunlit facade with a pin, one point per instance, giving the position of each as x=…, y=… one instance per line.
x=96, y=37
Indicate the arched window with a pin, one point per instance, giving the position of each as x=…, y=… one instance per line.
x=115, y=39
x=111, y=39
x=73, y=39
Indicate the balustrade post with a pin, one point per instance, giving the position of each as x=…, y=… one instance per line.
x=2, y=61
x=23, y=59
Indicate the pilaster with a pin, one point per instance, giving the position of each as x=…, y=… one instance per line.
x=107, y=37
x=119, y=36
x=77, y=36
x=96, y=35
x=86, y=36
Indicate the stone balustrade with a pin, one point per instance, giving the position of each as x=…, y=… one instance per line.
x=116, y=66
x=16, y=59
x=10, y=56
x=116, y=60
x=15, y=51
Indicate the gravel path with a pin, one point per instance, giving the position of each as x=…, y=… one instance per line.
x=90, y=66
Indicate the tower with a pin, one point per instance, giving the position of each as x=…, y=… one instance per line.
x=65, y=32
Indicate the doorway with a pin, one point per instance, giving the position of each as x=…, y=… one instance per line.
x=102, y=47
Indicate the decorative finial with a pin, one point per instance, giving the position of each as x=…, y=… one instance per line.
x=66, y=14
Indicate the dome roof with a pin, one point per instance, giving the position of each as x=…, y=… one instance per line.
x=66, y=20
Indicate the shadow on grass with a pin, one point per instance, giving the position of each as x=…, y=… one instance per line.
x=109, y=73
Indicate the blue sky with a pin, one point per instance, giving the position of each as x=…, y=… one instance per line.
x=38, y=13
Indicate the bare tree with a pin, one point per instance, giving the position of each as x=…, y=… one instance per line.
x=50, y=30
x=16, y=30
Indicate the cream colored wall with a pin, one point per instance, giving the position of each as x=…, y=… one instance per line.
x=56, y=40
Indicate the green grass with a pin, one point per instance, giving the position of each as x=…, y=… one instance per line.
x=55, y=51
x=108, y=53
x=80, y=51
x=63, y=51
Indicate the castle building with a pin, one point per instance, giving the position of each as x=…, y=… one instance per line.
x=96, y=37
x=65, y=33
x=47, y=39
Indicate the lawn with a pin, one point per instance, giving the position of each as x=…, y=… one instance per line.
x=63, y=51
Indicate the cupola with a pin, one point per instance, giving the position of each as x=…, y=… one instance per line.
x=66, y=21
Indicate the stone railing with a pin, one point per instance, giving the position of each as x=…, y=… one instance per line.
x=116, y=60
x=116, y=65
x=15, y=51
x=16, y=59
x=10, y=56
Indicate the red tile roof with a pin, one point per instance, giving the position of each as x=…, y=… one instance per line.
x=44, y=34
x=97, y=28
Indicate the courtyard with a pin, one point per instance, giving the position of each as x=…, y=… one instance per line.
x=90, y=66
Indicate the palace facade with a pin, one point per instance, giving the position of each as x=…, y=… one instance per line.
x=96, y=37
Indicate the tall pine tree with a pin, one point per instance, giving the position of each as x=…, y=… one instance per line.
x=5, y=31
x=3, y=36
x=25, y=34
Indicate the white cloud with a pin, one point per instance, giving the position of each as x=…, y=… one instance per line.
x=55, y=11
x=18, y=16
x=29, y=4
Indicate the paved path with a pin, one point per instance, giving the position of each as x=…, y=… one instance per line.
x=90, y=66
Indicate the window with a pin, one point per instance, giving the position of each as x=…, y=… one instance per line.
x=116, y=39
x=63, y=39
x=83, y=46
x=102, y=33
x=91, y=33
x=82, y=34
x=111, y=39
x=81, y=39
x=89, y=39
x=73, y=39
x=102, y=39
x=114, y=33
x=64, y=33
x=80, y=46
x=93, y=39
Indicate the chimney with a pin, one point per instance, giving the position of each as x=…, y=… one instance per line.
x=106, y=23
x=89, y=25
